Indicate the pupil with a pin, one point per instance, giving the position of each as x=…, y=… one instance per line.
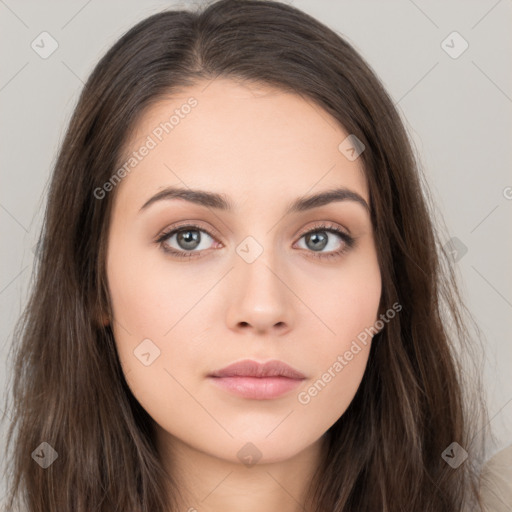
x=185, y=238
x=317, y=237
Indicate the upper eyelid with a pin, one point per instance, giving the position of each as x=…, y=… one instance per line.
x=330, y=226
x=168, y=231
x=347, y=239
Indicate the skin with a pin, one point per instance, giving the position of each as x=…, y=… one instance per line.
x=262, y=148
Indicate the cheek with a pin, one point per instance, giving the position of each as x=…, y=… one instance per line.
x=138, y=313
x=147, y=298
x=156, y=323
x=339, y=363
x=347, y=304
x=144, y=311
x=325, y=398
x=345, y=300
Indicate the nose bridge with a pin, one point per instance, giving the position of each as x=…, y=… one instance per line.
x=260, y=295
x=258, y=262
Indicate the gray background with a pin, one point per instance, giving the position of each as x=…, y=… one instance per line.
x=457, y=111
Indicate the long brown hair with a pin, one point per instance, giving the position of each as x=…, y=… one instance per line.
x=421, y=390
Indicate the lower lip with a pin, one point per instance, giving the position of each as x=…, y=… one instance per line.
x=257, y=388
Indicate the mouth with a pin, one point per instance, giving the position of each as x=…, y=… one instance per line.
x=257, y=388
x=257, y=381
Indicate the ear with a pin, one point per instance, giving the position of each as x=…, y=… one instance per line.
x=105, y=319
x=102, y=310
x=101, y=316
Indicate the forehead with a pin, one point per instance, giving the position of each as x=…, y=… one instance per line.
x=247, y=141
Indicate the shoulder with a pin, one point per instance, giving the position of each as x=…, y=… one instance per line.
x=496, y=482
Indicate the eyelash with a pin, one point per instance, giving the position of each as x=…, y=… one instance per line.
x=348, y=240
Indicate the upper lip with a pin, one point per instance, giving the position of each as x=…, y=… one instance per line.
x=249, y=368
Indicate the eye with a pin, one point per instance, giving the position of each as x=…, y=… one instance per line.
x=322, y=236
x=188, y=238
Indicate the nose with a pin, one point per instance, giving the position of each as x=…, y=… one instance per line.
x=262, y=300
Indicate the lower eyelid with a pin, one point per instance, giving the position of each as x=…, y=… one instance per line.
x=166, y=236
x=346, y=239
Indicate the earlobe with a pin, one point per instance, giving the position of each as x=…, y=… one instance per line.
x=103, y=310
x=102, y=317
x=105, y=320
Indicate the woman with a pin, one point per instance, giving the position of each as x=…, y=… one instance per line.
x=241, y=299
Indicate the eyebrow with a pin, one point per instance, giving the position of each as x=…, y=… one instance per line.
x=222, y=202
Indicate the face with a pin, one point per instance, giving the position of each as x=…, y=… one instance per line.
x=260, y=280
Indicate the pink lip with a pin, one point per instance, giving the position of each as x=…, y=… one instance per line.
x=258, y=381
